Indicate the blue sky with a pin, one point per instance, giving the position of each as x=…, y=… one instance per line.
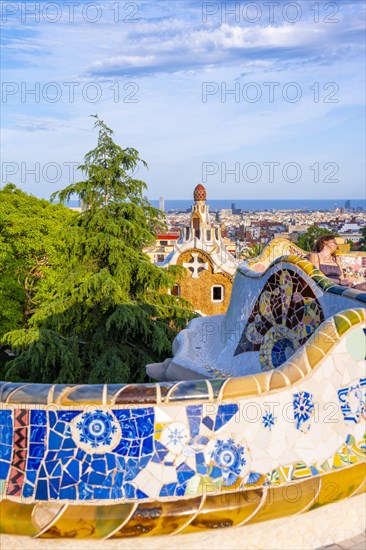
x=158, y=71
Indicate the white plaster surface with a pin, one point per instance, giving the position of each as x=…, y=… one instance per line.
x=329, y=525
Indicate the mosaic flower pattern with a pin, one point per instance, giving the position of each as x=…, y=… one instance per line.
x=285, y=315
x=230, y=458
x=303, y=406
x=96, y=428
x=353, y=401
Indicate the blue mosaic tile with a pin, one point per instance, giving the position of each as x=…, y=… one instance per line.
x=147, y=446
x=116, y=493
x=215, y=472
x=37, y=434
x=140, y=494
x=68, y=493
x=38, y=418
x=5, y=418
x=31, y=477
x=52, y=418
x=208, y=422
x=224, y=414
x=54, y=440
x=73, y=468
x=6, y=435
x=122, y=414
x=194, y=414
x=80, y=455
x=85, y=491
x=55, y=488
x=123, y=447
x=4, y=469
x=102, y=493
x=200, y=458
x=67, y=480
x=42, y=490
x=36, y=450
x=184, y=472
x=130, y=490
x=181, y=490
x=67, y=416
x=5, y=452
x=33, y=464
x=51, y=465
x=168, y=490
x=28, y=490
x=6, y=441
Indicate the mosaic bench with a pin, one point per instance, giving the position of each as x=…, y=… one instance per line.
x=110, y=461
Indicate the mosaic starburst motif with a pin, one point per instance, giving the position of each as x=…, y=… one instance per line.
x=268, y=420
x=285, y=315
x=303, y=409
x=175, y=436
x=96, y=428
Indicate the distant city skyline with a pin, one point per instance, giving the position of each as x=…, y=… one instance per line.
x=251, y=106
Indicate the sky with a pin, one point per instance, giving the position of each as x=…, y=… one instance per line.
x=252, y=99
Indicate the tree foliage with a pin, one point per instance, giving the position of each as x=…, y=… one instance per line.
x=107, y=313
x=252, y=251
x=307, y=240
x=31, y=233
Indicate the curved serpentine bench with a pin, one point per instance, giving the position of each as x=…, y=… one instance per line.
x=110, y=461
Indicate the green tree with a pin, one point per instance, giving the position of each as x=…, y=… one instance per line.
x=109, y=313
x=253, y=251
x=29, y=230
x=307, y=240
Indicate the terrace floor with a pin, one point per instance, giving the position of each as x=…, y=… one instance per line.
x=355, y=543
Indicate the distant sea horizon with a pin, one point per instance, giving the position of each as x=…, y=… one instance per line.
x=251, y=205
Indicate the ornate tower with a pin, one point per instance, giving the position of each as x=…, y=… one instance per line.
x=200, y=229
x=209, y=266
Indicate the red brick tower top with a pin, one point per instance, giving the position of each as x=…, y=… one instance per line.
x=199, y=193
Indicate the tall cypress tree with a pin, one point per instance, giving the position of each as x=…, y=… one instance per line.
x=107, y=313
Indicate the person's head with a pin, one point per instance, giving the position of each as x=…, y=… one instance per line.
x=327, y=243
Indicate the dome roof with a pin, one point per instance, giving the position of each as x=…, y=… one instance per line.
x=199, y=193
